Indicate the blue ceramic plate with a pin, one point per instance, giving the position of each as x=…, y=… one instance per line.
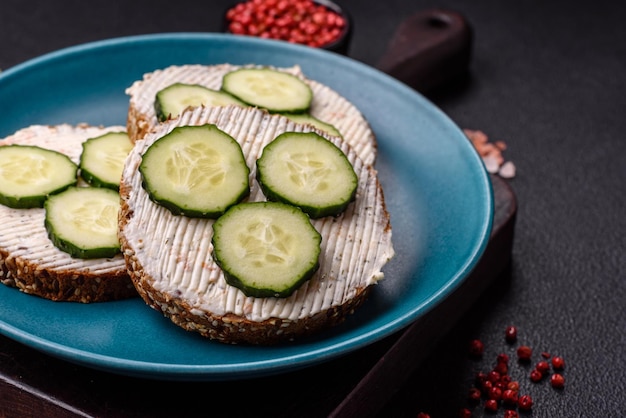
x=437, y=190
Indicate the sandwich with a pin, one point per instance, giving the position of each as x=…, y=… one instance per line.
x=172, y=253
x=30, y=259
x=327, y=106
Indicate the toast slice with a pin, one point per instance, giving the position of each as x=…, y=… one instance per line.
x=170, y=258
x=327, y=105
x=28, y=259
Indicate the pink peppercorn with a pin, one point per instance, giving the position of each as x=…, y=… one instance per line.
x=543, y=367
x=557, y=381
x=481, y=377
x=510, y=397
x=474, y=395
x=536, y=375
x=501, y=368
x=493, y=376
x=525, y=403
x=495, y=393
x=500, y=384
x=476, y=348
x=514, y=385
x=524, y=353
x=486, y=386
x=491, y=405
x=558, y=363
x=465, y=413
x=510, y=334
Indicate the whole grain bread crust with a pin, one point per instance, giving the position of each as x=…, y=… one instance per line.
x=69, y=286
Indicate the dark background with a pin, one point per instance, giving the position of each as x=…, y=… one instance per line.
x=546, y=77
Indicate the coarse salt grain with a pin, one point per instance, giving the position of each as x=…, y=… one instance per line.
x=507, y=170
x=491, y=153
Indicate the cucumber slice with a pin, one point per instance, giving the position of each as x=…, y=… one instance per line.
x=29, y=174
x=308, y=171
x=102, y=159
x=82, y=221
x=269, y=89
x=266, y=249
x=171, y=101
x=196, y=171
x=307, y=119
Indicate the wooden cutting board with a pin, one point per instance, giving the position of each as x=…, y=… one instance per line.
x=429, y=51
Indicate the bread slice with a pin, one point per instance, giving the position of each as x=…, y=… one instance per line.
x=28, y=259
x=327, y=105
x=169, y=257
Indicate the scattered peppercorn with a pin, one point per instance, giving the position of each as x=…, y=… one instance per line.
x=514, y=386
x=296, y=21
x=510, y=397
x=476, y=348
x=480, y=378
x=543, y=367
x=524, y=353
x=536, y=375
x=557, y=381
x=465, y=413
x=495, y=393
x=491, y=405
x=474, y=395
x=501, y=368
x=511, y=334
x=509, y=413
x=558, y=363
x=525, y=403
x=493, y=376
x=496, y=388
x=486, y=386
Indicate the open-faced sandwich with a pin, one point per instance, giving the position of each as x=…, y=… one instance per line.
x=58, y=240
x=247, y=227
x=164, y=93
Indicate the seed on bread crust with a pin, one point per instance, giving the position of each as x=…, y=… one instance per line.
x=85, y=287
